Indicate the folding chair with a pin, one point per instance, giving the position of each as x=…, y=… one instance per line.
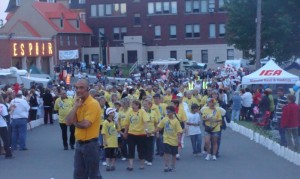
x=261, y=123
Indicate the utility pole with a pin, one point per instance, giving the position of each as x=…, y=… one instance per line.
x=258, y=35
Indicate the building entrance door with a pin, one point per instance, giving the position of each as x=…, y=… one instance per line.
x=132, y=56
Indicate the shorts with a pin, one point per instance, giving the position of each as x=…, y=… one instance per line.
x=110, y=152
x=212, y=134
x=169, y=149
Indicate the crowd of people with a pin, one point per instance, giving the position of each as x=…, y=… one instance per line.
x=109, y=121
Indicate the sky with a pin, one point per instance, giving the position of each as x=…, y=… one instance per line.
x=3, y=6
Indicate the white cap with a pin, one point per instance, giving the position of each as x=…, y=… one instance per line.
x=110, y=110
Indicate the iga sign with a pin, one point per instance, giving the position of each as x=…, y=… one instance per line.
x=31, y=48
x=270, y=73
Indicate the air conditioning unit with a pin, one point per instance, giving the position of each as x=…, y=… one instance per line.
x=211, y=10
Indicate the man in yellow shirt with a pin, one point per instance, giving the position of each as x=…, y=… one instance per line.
x=189, y=99
x=64, y=105
x=172, y=133
x=168, y=97
x=85, y=116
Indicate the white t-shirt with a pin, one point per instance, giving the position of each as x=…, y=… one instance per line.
x=195, y=119
x=3, y=112
x=21, y=110
x=70, y=93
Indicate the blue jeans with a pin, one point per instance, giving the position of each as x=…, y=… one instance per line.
x=101, y=150
x=235, y=115
x=282, y=136
x=86, y=161
x=196, y=143
x=19, y=131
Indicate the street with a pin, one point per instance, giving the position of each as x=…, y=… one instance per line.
x=240, y=158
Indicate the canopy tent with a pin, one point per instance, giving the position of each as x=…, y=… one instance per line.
x=270, y=73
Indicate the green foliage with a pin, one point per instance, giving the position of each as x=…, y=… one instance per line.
x=280, y=35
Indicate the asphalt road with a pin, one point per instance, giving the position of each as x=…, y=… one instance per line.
x=240, y=159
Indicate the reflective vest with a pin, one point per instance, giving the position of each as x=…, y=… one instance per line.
x=68, y=79
x=204, y=85
x=191, y=85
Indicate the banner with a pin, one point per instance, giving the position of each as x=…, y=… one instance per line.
x=68, y=54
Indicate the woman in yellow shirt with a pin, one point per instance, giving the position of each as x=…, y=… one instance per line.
x=136, y=132
x=212, y=118
x=123, y=112
x=151, y=126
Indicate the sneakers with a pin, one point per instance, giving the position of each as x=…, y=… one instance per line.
x=104, y=163
x=208, y=156
x=177, y=156
x=149, y=163
x=214, y=157
x=123, y=159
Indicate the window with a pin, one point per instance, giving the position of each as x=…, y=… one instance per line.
x=61, y=23
x=101, y=32
x=77, y=23
x=136, y=0
x=68, y=40
x=212, y=30
x=51, y=1
x=123, y=9
x=101, y=10
x=75, y=40
x=188, y=6
x=173, y=31
x=108, y=9
x=93, y=10
x=196, y=6
x=222, y=30
x=150, y=55
x=189, y=54
x=162, y=7
x=119, y=33
x=81, y=1
x=158, y=8
x=192, y=31
x=204, y=5
x=221, y=5
x=18, y=2
x=61, y=41
x=166, y=7
x=173, y=54
x=157, y=32
x=211, y=5
x=150, y=8
x=230, y=54
x=82, y=16
x=122, y=57
x=204, y=56
x=137, y=19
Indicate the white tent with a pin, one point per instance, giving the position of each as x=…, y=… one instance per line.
x=270, y=73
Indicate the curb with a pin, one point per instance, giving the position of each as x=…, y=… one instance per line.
x=279, y=150
x=35, y=123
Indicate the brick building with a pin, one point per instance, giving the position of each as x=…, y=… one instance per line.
x=139, y=30
x=41, y=33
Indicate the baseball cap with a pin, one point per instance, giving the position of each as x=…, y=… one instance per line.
x=110, y=110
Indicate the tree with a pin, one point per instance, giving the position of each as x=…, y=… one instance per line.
x=280, y=34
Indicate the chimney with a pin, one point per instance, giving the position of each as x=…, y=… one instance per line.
x=64, y=2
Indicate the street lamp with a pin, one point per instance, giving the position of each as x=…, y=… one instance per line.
x=102, y=49
x=258, y=35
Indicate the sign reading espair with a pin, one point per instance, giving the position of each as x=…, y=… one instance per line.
x=32, y=48
x=270, y=73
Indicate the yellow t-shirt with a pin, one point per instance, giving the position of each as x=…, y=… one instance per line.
x=167, y=99
x=203, y=100
x=181, y=114
x=190, y=102
x=63, y=106
x=156, y=109
x=136, y=122
x=110, y=132
x=122, y=116
x=152, y=93
x=207, y=112
x=153, y=120
x=90, y=110
x=171, y=129
x=107, y=96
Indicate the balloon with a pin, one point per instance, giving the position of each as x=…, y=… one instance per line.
x=295, y=88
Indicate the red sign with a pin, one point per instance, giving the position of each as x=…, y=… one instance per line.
x=31, y=48
x=270, y=73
